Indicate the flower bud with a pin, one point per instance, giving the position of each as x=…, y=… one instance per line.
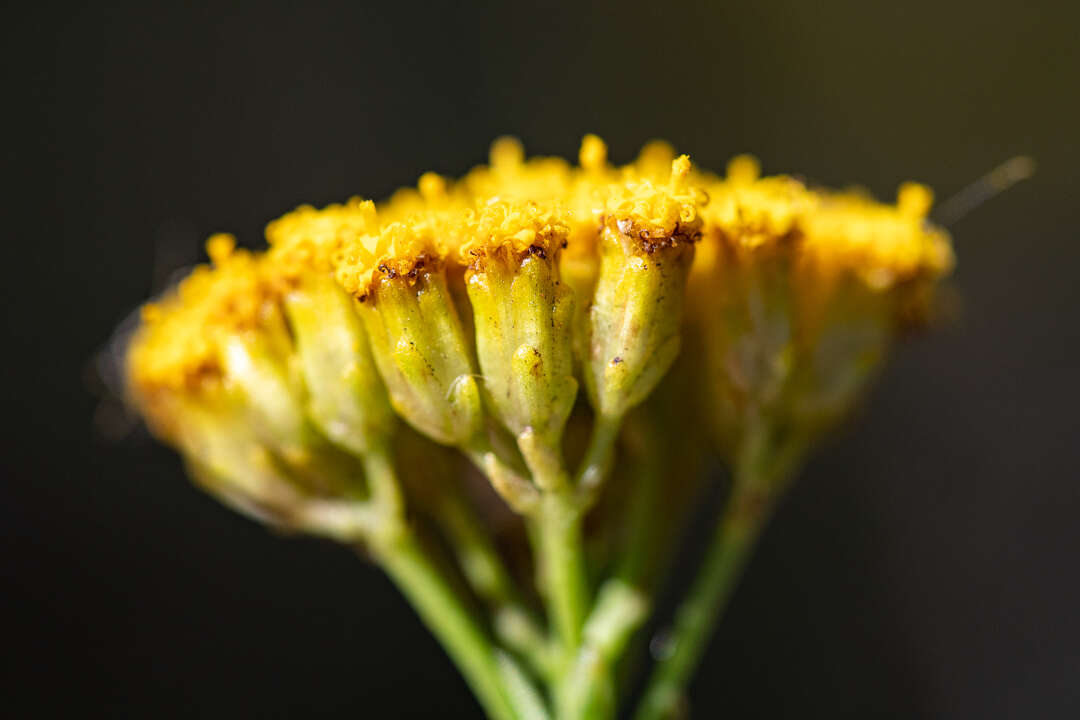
x=260, y=375
x=747, y=336
x=346, y=396
x=523, y=317
x=647, y=245
x=226, y=459
x=212, y=369
x=798, y=295
x=742, y=296
x=421, y=351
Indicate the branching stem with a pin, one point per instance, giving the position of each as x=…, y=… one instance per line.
x=761, y=472
x=443, y=612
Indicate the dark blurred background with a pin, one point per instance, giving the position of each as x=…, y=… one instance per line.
x=927, y=564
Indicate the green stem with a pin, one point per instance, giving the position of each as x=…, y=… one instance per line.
x=590, y=687
x=642, y=529
x=562, y=559
x=527, y=700
x=441, y=610
x=561, y=551
x=698, y=614
x=621, y=605
x=596, y=464
x=514, y=623
x=758, y=481
x=518, y=492
x=383, y=482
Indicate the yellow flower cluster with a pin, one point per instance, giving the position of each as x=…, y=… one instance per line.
x=566, y=215
x=180, y=340
x=501, y=315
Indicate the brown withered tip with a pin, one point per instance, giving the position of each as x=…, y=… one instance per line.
x=651, y=242
x=410, y=271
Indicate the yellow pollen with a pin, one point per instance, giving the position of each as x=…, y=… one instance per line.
x=307, y=239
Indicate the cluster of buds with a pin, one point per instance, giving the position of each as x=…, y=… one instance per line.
x=492, y=313
x=798, y=294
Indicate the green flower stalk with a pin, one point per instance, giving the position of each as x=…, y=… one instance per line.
x=816, y=288
x=587, y=337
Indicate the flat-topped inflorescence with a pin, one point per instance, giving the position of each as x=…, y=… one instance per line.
x=493, y=312
x=572, y=273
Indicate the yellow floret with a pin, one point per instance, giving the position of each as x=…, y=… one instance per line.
x=656, y=214
x=848, y=232
x=397, y=249
x=178, y=346
x=510, y=177
x=518, y=227
x=510, y=203
x=593, y=154
x=746, y=211
x=654, y=160
x=308, y=239
x=881, y=244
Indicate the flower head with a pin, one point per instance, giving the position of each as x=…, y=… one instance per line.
x=183, y=343
x=308, y=239
x=519, y=315
x=647, y=247
x=346, y=397
x=230, y=368
x=479, y=307
x=798, y=293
